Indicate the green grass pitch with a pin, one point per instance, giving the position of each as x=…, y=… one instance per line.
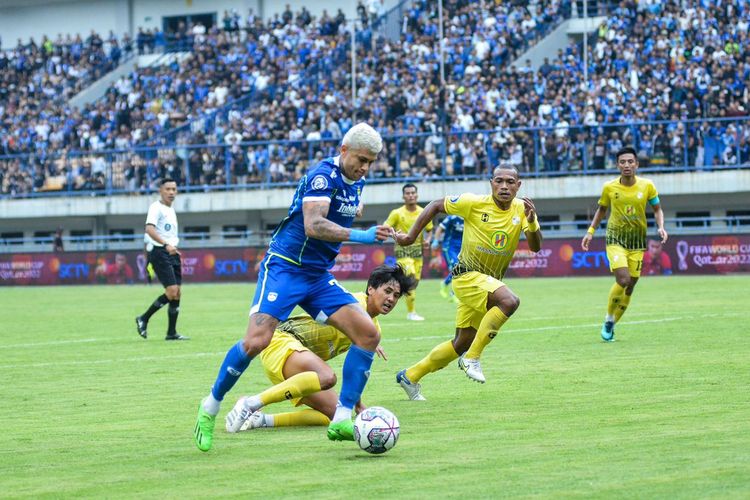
x=89, y=409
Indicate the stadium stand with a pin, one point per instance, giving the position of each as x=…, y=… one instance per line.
x=257, y=101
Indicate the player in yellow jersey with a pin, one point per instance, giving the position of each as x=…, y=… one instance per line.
x=295, y=359
x=627, y=196
x=492, y=228
x=410, y=257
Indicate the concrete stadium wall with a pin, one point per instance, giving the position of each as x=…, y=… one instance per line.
x=261, y=210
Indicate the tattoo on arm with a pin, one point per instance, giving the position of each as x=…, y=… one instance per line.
x=261, y=319
x=318, y=226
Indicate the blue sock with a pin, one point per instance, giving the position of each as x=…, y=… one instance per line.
x=231, y=369
x=448, y=279
x=356, y=372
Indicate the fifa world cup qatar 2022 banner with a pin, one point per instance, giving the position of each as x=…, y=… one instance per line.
x=720, y=254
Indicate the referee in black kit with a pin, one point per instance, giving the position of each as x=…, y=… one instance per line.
x=161, y=243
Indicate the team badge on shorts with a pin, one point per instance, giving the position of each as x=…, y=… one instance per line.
x=272, y=296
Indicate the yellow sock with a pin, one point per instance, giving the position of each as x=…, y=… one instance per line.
x=299, y=418
x=438, y=358
x=615, y=296
x=488, y=328
x=624, y=301
x=410, y=301
x=297, y=386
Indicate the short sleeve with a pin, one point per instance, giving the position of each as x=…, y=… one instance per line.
x=459, y=205
x=153, y=214
x=319, y=186
x=652, y=195
x=524, y=221
x=604, y=200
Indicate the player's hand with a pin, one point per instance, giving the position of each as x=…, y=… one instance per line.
x=529, y=209
x=663, y=235
x=585, y=241
x=402, y=239
x=360, y=210
x=425, y=247
x=381, y=353
x=435, y=244
x=173, y=250
x=382, y=233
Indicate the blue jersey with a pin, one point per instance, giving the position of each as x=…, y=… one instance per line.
x=324, y=182
x=453, y=233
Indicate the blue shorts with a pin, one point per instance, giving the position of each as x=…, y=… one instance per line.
x=282, y=286
x=451, y=257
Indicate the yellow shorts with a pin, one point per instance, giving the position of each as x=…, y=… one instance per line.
x=275, y=355
x=411, y=266
x=471, y=290
x=620, y=257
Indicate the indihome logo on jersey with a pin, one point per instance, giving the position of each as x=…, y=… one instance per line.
x=348, y=210
x=499, y=240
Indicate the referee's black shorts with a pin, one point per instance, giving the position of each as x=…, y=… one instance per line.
x=167, y=267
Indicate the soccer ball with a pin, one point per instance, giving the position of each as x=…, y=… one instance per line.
x=376, y=430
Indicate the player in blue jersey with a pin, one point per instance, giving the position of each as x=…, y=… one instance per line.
x=448, y=235
x=295, y=272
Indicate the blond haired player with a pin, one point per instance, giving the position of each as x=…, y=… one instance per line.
x=295, y=359
x=628, y=196
x=492, y=228
x=409, y=257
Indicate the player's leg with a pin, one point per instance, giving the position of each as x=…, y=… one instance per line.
x=165, y=273
x=618, y=264
x=302, y=373
x=635, y=264
x=279, y=290
x=437, y=359
x=322, y=407
x=358, y=326
x=174, y=293
x=409, y=265
x=500, y=304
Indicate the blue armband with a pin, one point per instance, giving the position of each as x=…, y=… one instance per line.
x=361, y=236
x=653, y=201
x=435, y=244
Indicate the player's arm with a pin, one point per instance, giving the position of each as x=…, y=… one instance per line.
x=151, y=231
x=534, y=231
x=429, y=213
x=318, y=226
x=438, y=236
x=659, y=218
x=598, y=216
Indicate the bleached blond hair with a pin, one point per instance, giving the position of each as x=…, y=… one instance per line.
x=363, y=136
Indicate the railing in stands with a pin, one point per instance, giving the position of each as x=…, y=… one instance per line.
x=664, y=146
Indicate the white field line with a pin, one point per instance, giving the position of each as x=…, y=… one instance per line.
x=217, y=354
x=430, y=337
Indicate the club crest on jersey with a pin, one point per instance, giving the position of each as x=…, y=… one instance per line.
x=516, y=220
x=499, y=240
x=167, y=226
x=640, y=195
x=272, y=296
x=319, y=183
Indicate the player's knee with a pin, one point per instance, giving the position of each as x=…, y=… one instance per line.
x=509, y=304
x=368, y=338
x=255, y=341
x=327, y=379
x=623, y=280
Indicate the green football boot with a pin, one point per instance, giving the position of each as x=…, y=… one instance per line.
x=341, y=431
x=204, y=429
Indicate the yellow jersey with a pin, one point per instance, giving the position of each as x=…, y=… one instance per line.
x=491, y=234
x=627, y=224
x=402, y=220
x=324, y=340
